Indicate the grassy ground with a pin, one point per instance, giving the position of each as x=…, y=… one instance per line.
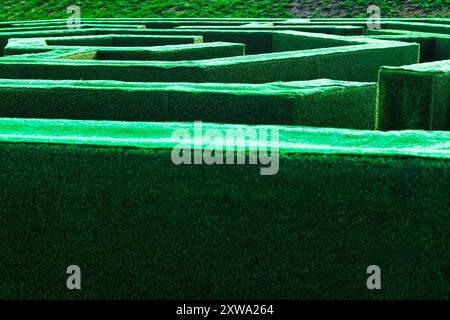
x=48, y=9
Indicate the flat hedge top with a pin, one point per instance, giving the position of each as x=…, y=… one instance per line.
x=371, y=44
x=154, y=135
x=442, y=66
x=293, y=87
x=55, y=50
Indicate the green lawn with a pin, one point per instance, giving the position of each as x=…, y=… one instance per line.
x=48, y=9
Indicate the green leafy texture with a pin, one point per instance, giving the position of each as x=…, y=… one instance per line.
x=439, y=49
x=321, y=103
x=427, y=43
x=107, y=197
x=357, y=61
x=337, y=30
x=38, y=9
x=117, y=47
x=415, y=97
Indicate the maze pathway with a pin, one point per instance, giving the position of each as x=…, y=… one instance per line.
x=225, y=159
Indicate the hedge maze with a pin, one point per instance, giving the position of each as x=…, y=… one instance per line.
x=87, y=118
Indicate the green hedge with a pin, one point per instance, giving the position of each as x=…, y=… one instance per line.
x=280, y=41
x=5, y=36
x=150, y=23
x=255, y=41
x=427, y=43
x=439, y=49
x=358, y=62
x=392, y=19
x=421, y=27
x=336, y=30
x=201, y=51
x=286, y=41
x=386, y=24
x=63, y=26
x=415, y=97
x=106, y=196
x=324, y=103
x=17, y=46
x=209, y=50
